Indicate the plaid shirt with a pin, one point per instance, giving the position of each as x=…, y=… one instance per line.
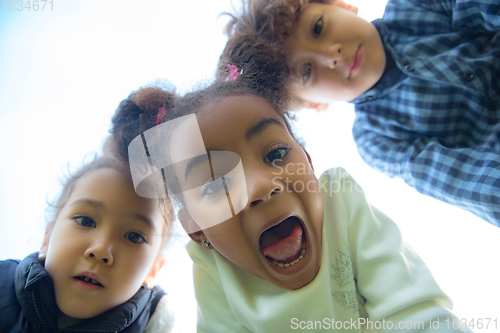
x=434, y=120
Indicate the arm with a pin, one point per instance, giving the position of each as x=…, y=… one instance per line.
x=396, y=284
x=9, y=305
x=468, y=178
x=483, y=14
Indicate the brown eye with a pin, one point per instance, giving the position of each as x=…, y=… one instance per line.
x=85, y=221
x=277, y=154
x=318, y=26
x=134, y=237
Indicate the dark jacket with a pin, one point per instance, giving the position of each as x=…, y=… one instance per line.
x=28, y=304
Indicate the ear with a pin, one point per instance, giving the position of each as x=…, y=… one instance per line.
x=342, y=4
x=150, y=279
x=317, y=106
x=198, y=237
x=309, y=159
x=191, y=227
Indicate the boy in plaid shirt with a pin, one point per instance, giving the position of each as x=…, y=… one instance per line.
x=424, y=81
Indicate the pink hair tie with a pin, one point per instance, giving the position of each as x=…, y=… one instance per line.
x=161, y=114
x=233, y=72
x=159, y=117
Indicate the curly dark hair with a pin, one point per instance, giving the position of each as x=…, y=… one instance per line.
x=262, y=57
x=138, y=112
x=257, y=38
x=269, y=19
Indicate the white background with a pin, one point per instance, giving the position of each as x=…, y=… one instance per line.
x=63, y=73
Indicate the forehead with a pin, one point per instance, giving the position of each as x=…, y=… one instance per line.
x=93, y=181
x=308, y=12
x=300, y=40
x=112, y=189
x=229, y=118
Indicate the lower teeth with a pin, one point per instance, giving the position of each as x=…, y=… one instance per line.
x=282, y=265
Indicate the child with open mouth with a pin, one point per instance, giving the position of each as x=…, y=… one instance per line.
x=274, y=248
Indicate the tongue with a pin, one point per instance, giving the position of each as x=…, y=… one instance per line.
x=287, y=247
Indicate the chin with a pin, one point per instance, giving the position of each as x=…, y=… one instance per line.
x=299, y=281
x=81, y=311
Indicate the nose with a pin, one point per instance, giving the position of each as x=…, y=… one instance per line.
x=100, y=250
x=331, y=55
x=262, y=186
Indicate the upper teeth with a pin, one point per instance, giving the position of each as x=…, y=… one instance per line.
x=87, y=279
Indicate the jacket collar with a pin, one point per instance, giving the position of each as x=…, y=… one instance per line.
x=35, y=292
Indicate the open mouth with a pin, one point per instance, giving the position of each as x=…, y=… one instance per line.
x=284, y=244
x=88, y=280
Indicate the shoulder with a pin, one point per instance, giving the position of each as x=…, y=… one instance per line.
x=206, y=263
x=7, y=273
x=334, y=173
x=162, y=320
x=8, y=267
x=442, y=6
x=415, y=18
x=344, y=200
x=201, y=257
x=337, y=182
x=9, y=305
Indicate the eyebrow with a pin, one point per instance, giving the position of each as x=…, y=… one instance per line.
x=145, y=219
x=93, y=203
x=99, y=205
x=261, y=126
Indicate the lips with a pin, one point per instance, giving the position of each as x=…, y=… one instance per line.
x=88, y=278
x=284, y=243
x=355, y=62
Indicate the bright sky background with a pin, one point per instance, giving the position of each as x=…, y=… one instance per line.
x=63, y=73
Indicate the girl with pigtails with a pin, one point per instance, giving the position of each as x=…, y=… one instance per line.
x=274, y=248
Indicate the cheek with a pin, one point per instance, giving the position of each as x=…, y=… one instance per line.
x=328, y=82
x=62, y=245
x=230, y=241
x=210, y=212
x=134, y=268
